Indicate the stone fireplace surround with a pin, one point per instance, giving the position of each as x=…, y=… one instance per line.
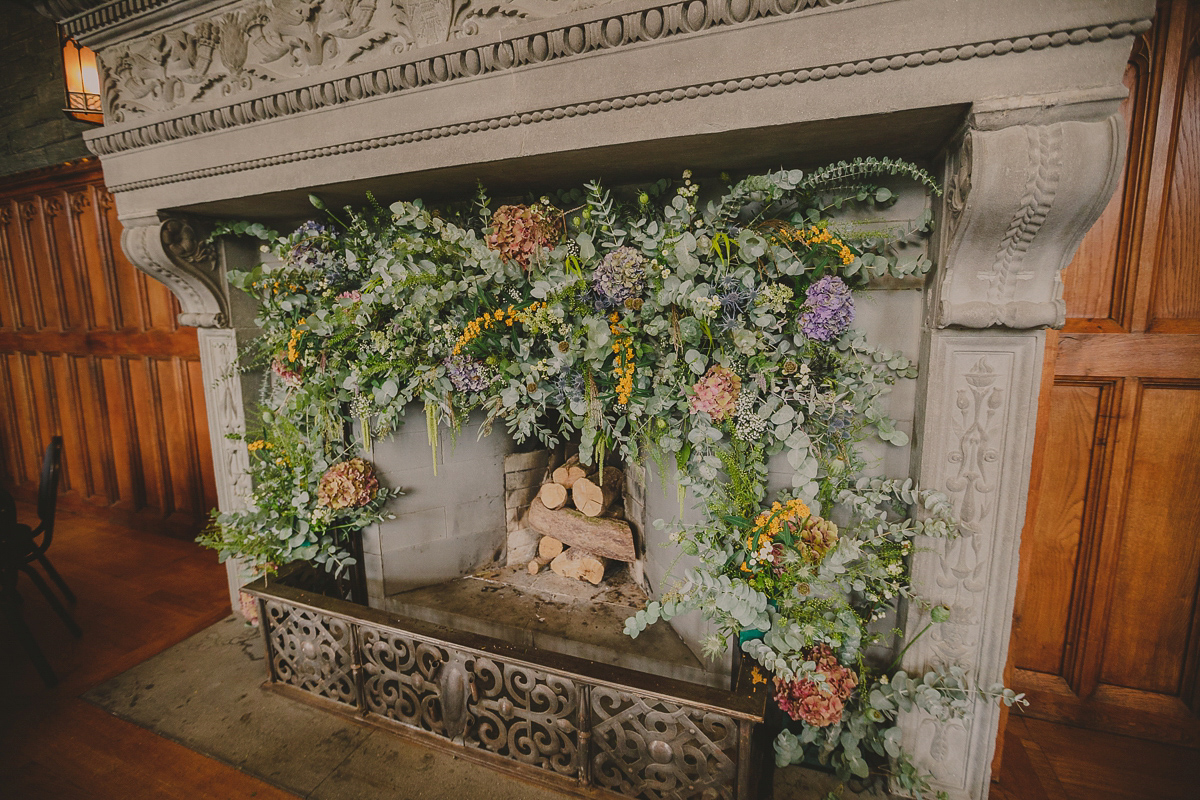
x=220, y=109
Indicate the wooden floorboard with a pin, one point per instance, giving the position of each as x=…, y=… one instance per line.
x=139, y=593
x=1047, y=761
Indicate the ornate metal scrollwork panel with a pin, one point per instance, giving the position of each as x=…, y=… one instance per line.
x=400, y=678
x=557, y=724
x=311, y=651
x=525, y=714
x=657, y=750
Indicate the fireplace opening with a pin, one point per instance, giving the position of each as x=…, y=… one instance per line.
x=527, y=546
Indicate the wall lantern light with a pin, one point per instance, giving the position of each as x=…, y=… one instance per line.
x=83, y=83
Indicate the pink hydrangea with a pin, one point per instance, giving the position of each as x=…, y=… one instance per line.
x=520, y=232
x=818, y=704
x=288, y=375
x=348, y=484
x=717, y=392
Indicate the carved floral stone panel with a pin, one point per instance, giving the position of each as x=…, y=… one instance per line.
x=977, y=436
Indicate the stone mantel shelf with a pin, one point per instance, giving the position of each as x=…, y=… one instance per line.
x=243, y=107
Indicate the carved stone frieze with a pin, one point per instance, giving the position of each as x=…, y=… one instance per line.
x=1018, y=202
x=174, y=252
x=256, y=43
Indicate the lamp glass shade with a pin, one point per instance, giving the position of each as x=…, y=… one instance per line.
x=82, y=77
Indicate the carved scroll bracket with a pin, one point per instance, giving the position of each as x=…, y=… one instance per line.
x=174, y=250
x=1025, y=181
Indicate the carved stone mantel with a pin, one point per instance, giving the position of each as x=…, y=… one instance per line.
x=220, y=108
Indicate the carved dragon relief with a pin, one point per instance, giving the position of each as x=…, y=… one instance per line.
x=281, y=39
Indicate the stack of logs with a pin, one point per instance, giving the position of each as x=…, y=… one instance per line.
x=579, y=542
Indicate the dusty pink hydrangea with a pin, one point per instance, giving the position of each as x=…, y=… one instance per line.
x=818, y=704
x=717, y=392
x=520, y=232
x=348, y=484
x=288, y=375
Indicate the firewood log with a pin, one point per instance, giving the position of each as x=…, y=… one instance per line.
x=593, y=496
x=553, y=495
x=549, y=547
x=535, y=565
x=605, y=536
x=569, y=472
x=575, y=562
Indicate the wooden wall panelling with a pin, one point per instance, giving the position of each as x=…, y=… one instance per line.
x=90, y=348
x=1161, y=572
x=1096, y=295
x=124, y=457
x=1176, y=22
x=1175, y=306
x=1065, y=512
x=1107, y=624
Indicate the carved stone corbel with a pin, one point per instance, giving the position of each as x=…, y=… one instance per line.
x=1023, y=186
x=174, y=250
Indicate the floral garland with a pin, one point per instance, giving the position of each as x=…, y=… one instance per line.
x=708, y=337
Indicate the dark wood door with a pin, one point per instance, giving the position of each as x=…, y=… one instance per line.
x=1107, y=626
x=90, y=349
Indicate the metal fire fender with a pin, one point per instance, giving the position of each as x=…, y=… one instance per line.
x=577, y=726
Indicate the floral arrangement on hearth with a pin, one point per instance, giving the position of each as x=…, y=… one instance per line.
x=709, y=335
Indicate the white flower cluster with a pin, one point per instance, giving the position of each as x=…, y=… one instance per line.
x=749, y=425
x=706, y=307
x=774, y=297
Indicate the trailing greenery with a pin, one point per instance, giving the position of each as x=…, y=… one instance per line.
x=708, y=335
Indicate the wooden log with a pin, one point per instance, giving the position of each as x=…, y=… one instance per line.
x=553, y=495
x=593, y=496
x=578, y=563
x=604, y=536
x=569, y=472
x=536, y=564
x=549, y=546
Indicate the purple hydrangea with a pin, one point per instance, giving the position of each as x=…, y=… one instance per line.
x=828, y=309
x=620, y=276
x=467, y=374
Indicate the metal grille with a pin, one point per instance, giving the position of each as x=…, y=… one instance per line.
x=655, y=749
x=561, y=726
x=310, y=651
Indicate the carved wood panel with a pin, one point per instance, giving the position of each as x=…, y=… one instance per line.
x=1107, y=615
x=90, y=348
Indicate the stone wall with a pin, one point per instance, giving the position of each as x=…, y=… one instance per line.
x=34, y=132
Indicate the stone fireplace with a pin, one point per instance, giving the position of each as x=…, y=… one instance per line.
x=219, y=109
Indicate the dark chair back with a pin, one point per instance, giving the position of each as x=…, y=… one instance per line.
x=48, y=487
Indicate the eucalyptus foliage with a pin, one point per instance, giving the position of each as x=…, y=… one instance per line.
x=692, y=345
